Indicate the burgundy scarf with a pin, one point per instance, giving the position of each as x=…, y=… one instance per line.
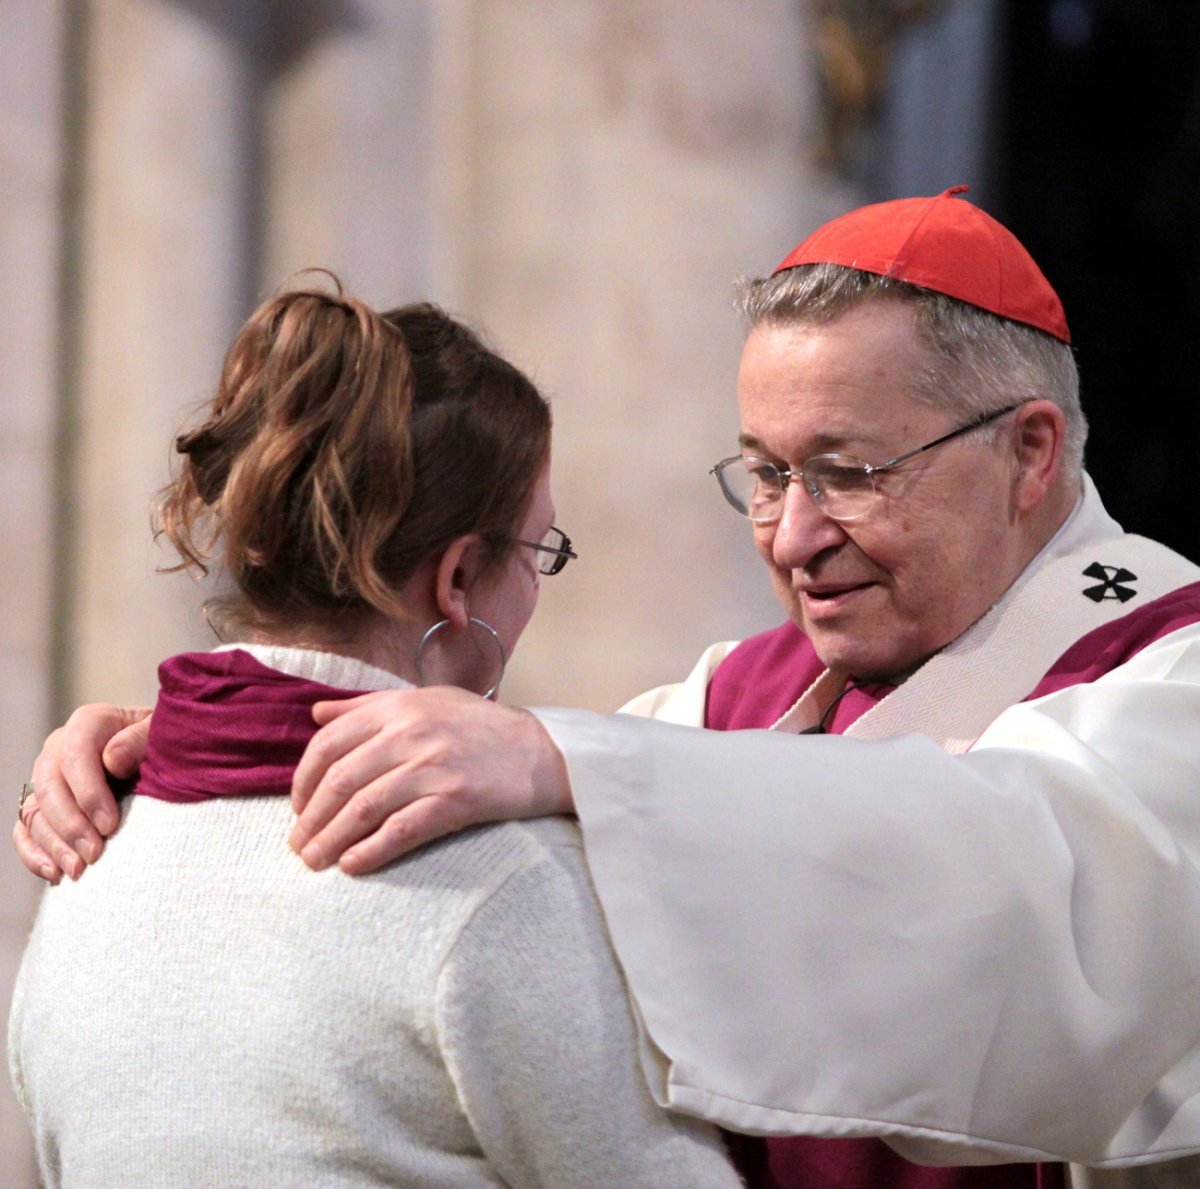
x=227, y=725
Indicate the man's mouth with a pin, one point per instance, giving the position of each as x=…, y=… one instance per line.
x=829, y=597
x=831, y=591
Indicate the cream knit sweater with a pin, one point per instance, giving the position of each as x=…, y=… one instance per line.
x=201, y=1009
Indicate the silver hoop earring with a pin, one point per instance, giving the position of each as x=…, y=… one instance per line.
x=480, y=640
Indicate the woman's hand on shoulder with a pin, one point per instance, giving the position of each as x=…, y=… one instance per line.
x=62, y=825
x=391, y=771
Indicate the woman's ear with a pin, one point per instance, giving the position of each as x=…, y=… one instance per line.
x=1041, y=429
x=460, y=567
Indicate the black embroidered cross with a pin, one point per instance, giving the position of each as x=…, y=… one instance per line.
x=1111, y=580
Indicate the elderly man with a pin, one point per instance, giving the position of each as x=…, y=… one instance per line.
x=963, y=914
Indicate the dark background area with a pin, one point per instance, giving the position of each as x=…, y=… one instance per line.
x=1099, y=175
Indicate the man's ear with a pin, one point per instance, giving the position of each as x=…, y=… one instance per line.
x=1041, y=429
x=460, y=566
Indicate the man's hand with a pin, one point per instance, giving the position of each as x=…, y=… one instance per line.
x=390, y=771
x=63, y=824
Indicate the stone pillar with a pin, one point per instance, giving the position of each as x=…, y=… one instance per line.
x=32, y=142
x=937, y=127
x=347, y=143
x=32, y=145
x=163, y=283
x=626, y=161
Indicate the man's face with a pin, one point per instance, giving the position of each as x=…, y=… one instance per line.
x=879, y=594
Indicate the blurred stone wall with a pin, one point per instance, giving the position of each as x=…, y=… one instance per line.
x=583, y=179
x=31, y=247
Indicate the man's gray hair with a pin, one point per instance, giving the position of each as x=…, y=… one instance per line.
x=976, y=362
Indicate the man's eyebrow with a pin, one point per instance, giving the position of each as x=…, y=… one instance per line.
x=824, y=443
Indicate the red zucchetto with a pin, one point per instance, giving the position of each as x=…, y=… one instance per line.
x=945, y=244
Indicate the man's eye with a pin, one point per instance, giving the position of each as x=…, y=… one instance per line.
x=839, y=476
x=762, y=472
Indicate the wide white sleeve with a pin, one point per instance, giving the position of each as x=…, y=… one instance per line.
x=992, y=956
x=535, y=1027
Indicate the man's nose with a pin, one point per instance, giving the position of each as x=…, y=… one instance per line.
x=802, y=530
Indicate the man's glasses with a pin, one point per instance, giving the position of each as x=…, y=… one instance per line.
x=554, y=551
x=843, y=487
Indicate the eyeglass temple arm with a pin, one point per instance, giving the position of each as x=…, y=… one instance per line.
x=978, y=423
x=564, y=551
